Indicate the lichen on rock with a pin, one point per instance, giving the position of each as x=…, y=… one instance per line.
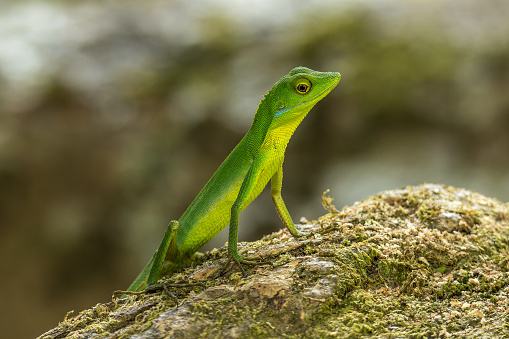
x=423, y=261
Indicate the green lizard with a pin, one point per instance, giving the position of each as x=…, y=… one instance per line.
x=257, y=159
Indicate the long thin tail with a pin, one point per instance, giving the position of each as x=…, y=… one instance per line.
x=139, y=282
x=152, y=271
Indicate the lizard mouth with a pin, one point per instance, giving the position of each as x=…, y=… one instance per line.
x=324, y=92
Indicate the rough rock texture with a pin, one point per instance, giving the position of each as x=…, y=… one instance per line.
x=424, y=261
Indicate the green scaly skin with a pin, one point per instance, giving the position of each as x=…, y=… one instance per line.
x=257, y=159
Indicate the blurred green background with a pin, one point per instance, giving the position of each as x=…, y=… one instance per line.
x=113, y=115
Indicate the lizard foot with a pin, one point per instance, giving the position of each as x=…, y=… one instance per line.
x=240, y=261
x=163, y=286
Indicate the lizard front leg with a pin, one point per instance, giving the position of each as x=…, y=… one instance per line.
x=276, y=182
x=247, y=187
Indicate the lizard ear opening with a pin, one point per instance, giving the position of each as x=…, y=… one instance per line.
x=281, y=108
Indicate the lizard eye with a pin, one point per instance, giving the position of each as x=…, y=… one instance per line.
x=303, y=86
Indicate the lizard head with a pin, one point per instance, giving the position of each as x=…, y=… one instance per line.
x=289, y=101
x=295, y=94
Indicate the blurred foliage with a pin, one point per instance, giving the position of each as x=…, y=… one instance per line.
x=113, y=116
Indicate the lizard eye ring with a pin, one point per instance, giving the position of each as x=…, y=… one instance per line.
x=303, y=87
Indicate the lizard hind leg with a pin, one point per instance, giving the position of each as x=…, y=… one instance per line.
x=167, y=249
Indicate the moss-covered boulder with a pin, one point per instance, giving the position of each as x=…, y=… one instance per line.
x=424, y=261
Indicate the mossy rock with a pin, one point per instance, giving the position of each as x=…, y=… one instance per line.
x=423, y=261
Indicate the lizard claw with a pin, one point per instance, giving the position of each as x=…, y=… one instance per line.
x=240, y=261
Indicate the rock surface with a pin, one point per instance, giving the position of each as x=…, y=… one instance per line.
x=423, y=261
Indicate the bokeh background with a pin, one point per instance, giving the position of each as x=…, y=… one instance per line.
x=113, y=115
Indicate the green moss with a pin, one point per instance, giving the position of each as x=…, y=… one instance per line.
x=407, y=263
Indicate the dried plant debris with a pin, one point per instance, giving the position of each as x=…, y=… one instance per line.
x=423, y=261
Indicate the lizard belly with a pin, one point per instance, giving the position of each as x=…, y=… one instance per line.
x=207, y=216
